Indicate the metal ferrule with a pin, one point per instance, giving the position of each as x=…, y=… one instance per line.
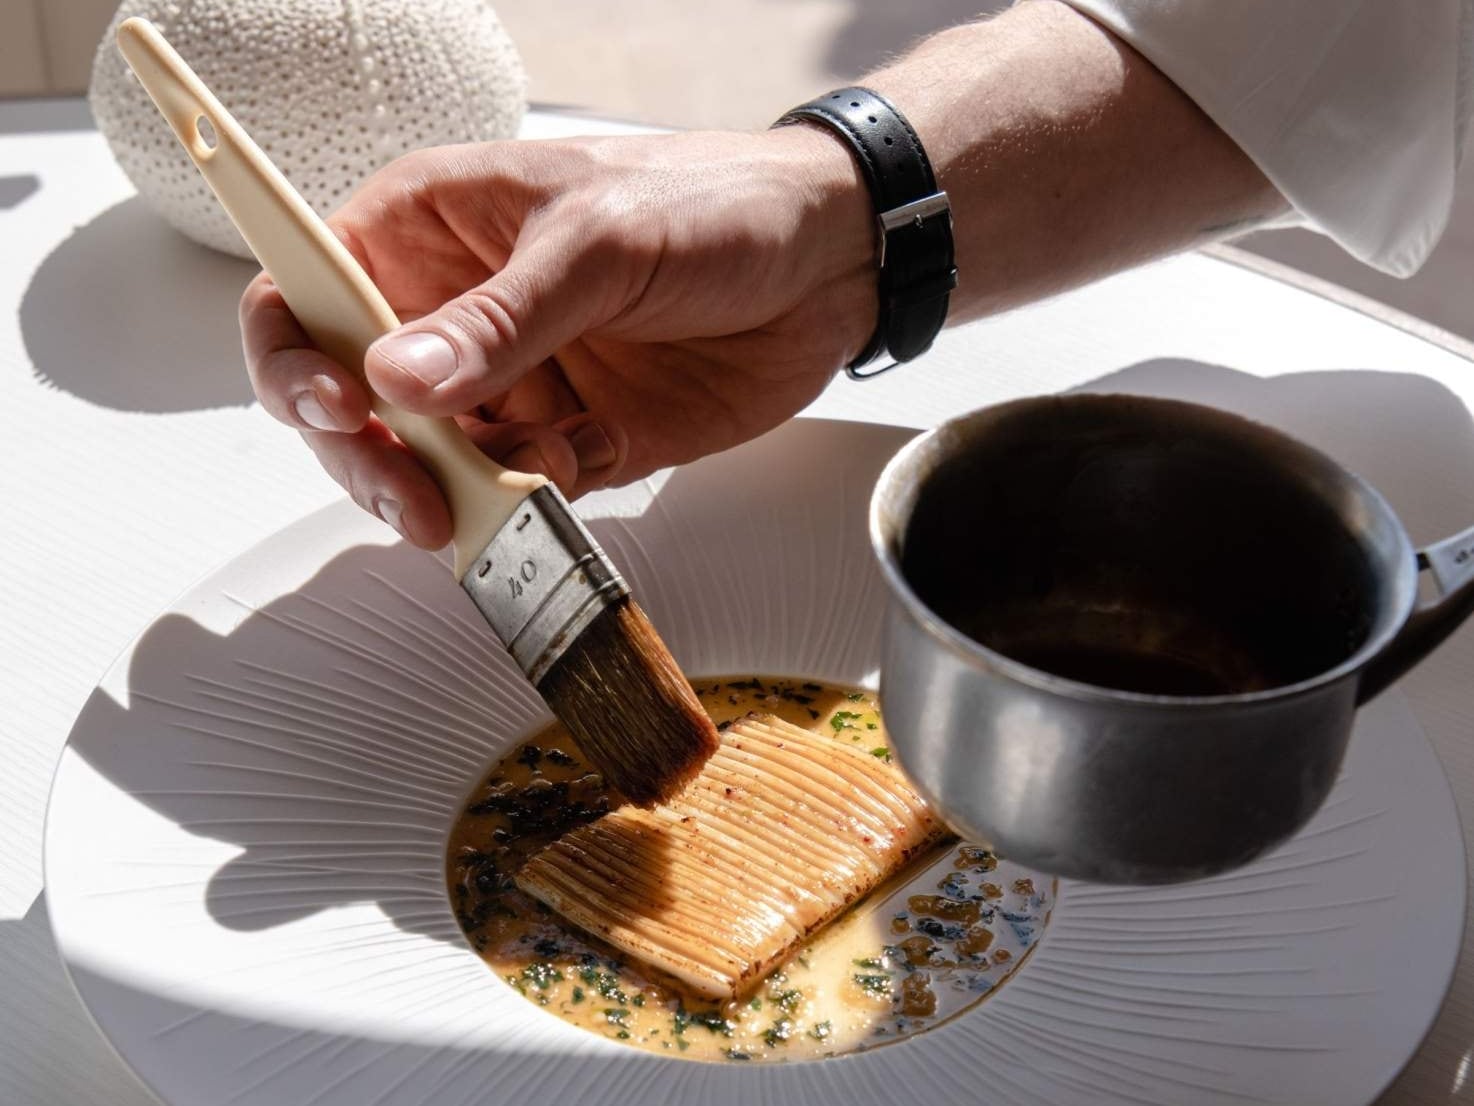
x=542, y=580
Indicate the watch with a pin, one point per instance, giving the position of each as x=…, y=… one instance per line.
x=913, y=222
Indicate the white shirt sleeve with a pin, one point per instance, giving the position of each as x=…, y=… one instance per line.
x=1355, y=109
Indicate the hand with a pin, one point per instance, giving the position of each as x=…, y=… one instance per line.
x=592, y=309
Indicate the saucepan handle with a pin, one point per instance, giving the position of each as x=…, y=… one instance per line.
x=1451, y=564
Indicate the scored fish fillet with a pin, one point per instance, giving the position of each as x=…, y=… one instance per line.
x=779, y=832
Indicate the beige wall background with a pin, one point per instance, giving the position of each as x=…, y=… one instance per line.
x=735, y=64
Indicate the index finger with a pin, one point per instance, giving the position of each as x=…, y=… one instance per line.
x=295, y=382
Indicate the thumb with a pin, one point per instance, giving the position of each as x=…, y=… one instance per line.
x=480, y=343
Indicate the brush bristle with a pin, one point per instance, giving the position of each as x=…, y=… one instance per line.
x=628, y=706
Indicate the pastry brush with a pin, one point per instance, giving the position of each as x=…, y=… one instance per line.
x=535, y=572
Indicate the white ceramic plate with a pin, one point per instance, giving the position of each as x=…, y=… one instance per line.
x=244, y=845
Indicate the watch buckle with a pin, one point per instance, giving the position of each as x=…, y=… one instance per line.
x=915, y=213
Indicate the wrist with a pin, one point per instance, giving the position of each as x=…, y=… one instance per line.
x=835, y=232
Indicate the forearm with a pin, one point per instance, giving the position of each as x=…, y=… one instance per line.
x=1066, y=155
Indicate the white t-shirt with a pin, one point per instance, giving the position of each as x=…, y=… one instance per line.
x=1356, y=110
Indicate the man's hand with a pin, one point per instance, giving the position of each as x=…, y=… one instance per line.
x=595, y=310
x=592, y=310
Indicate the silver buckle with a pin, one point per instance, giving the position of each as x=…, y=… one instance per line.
x=916, y=212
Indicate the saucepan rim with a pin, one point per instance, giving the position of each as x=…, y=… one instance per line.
x=887, y=525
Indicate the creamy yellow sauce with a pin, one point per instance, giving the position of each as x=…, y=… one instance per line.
x=932, y=942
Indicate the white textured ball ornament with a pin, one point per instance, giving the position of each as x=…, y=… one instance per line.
x=330, y=89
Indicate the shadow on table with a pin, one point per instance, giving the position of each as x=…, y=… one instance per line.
x=128, y=313
x=1406, y=434
x=16, y=190
x=50, y=1051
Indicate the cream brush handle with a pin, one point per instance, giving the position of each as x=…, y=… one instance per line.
x=330, y=294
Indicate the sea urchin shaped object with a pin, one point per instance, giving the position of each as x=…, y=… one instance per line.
x=330, y=89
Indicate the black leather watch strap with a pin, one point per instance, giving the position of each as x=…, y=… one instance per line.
x=914, y=221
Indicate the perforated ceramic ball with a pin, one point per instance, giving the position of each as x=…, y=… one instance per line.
x=330, y=89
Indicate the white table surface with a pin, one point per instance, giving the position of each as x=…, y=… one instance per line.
x=134, y=462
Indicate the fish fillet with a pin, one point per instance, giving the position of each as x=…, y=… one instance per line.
x=779, y=832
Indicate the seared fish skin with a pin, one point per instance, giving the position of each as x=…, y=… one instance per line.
x=778, y=833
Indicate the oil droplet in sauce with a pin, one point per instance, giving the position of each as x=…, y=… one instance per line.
x=929, y=944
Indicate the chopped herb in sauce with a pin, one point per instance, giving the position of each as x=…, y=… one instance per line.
x=788, y=1001
x=877, y=986
x=779, y=1032
x=541, y=975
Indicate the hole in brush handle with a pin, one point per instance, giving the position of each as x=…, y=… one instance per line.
x=207, y=140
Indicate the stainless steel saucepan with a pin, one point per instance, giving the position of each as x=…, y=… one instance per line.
x=1127, y=637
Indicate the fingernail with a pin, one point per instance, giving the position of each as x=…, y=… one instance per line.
x=309, y=408
x=391, y=512
x=592, y=447
x=528, y=458
x=425, y=356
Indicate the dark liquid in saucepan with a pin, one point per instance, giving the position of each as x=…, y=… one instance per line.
x=1147, y=673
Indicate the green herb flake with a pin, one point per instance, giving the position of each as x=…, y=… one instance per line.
x=878, y=986
x=617, y=1015
x=882, y=753
x=779, y=1032
x=855, y=696
x=841, y=720
x=872, y=962
x=821, y=1031
x=604, y=984
x=756, y=1003
x=788, y=1001
x=541, y=975
x=737, y=1054
x=682, y=1043
x=871, y=726
x=577, y=993
x=713, y=1021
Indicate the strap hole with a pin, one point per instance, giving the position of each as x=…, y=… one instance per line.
x=871, y=118
x=888, y=140
x=854, y=103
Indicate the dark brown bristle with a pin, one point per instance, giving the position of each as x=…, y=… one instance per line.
x=628, y=706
